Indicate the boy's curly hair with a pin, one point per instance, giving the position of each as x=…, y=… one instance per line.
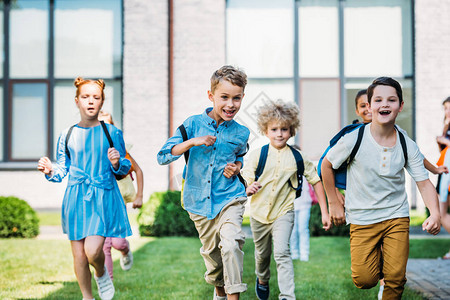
x=286, y=113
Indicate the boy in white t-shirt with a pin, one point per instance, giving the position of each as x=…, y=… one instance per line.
x=376, y=205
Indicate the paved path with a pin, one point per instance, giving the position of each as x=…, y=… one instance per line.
x=430, y=277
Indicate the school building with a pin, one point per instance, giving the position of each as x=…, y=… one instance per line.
x=157, y=56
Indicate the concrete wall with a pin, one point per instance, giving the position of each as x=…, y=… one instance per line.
x=145, y=86
x=432, y=27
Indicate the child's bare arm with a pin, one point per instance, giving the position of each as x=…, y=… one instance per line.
x=253, y=188
x=318, y=188
x=207, y=140
x=433, y=169
x=337, y=214
x=138, y=201
x=432, y=224
x=45, y=166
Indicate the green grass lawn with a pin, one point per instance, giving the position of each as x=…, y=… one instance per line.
x=172, y=268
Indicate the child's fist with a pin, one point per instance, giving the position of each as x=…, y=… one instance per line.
x=114, y=156
x=253, y=188
x=230, y=170
x=207, y=140
x=326, y=222
x=442, y=169
x=45, y=165
x=432, y=225
x=137, y=203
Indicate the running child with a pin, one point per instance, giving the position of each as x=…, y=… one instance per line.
x=92, y=207
x=213, y=195
x=376, y=205
x=273, y=194
x=125, y=185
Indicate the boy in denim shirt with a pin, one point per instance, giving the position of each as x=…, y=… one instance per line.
x=213, y=194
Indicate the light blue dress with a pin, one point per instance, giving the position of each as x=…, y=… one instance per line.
x=92, y=202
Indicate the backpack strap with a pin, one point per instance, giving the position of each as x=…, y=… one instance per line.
x=357, y=145
x=262, y=161
x=246, y=150
x=300, y=170
x=185, y=138
x=403, y=143
x=111, y=144
x=67, y=140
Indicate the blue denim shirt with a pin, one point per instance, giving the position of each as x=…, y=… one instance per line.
x=206, y=189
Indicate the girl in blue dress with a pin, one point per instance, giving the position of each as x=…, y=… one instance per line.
x=93, y=207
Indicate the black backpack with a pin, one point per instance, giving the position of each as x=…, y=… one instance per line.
x=300, y=167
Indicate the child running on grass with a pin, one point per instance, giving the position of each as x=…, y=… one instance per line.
x=272, y=203
x=376, y=205
x=121, y=244
x=92, y=208
x=213, y=195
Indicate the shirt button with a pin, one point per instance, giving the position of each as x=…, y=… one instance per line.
x=207, y=197
x=209, y=181
x=217, y=131
x=385, y=150
x=384, y=165
x=210, y=165
x=384, y=158
x=214, y=148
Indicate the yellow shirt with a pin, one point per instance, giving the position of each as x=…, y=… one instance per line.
x=276, y=197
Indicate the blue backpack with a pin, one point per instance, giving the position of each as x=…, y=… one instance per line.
x=340, y=174
x=298, y=160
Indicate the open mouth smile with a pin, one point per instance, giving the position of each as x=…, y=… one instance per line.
x=385, y=112
x=229, y=112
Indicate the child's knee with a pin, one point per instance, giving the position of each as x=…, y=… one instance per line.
x=365, y=280
x=120, y=244
x=92, y=253
x=281, y=253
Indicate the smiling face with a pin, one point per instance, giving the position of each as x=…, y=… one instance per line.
x=278, y=134
x=226, y=99
x=362, y=109
x=385, y=105
x=89, y=101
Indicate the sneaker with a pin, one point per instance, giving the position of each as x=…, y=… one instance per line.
x=304, y=258
x=126, y=261
x=105, y=286
x=380, y=292
x=218, y=297
x=262, y=290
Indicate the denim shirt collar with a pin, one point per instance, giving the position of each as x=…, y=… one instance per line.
x=211, y=121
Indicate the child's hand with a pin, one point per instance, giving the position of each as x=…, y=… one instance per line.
x=253, y=188
x=207, y=140
x=326, y=222
x=337, y=214
x=432, y=225
x=230, y=170
x=340, y=197
x=442, y=169
x=114, y=156
x=443, y=140
x=45, y=165
x=137, y=203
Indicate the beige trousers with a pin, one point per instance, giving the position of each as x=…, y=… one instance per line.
x=222, y=240
x=278, y=233
x=380, y=250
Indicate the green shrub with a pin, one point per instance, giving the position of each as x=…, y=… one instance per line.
x=17, y=218
x=162, y=215
x=315, y=225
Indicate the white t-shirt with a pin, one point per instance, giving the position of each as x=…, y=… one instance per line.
x=375, y=178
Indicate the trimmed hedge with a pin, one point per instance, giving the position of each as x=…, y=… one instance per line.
x=17, y=218
x=315, y=225
x=162, y=215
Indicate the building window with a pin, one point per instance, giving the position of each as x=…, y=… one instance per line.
x=46, y=44
x=319, y=54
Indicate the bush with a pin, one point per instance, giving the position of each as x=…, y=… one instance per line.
x=17, y=219
x=315, y=225
x=162, y=215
